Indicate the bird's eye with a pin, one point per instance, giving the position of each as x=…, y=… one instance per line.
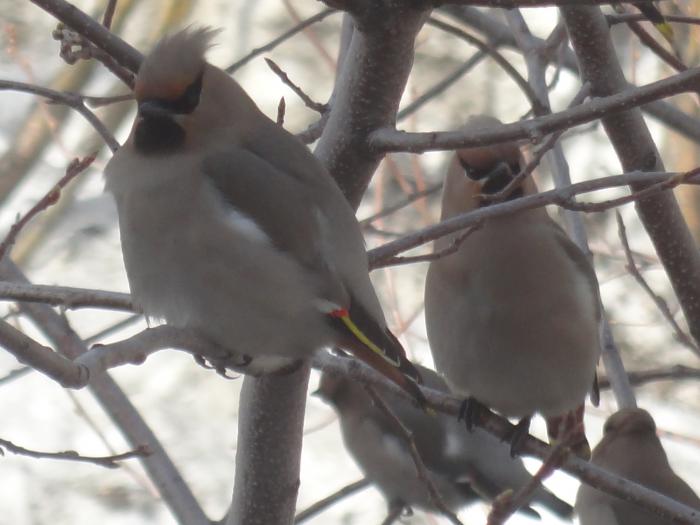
x=472, y=172
x=189, y=100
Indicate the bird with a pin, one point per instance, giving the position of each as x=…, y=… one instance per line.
x=512, y=315
x=230, y=226
x=631, y=449
x=464, y=468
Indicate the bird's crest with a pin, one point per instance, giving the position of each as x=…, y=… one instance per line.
x=174, y=63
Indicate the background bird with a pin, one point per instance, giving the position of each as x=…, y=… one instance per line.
x=512, y=316
x=230, y=226
x=463, y=467
x=630, y=448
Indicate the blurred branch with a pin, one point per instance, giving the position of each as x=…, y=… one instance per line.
x=535, y=53
x=71, y=455
x=509, y=502
x=306, y=99
x=161, y=470
x=409, y=199
x=421, y=470
x=624, y=18
x=76, y=167
x=494, y=30
x=563, y=197
x=387, y=139
x=660, y=303
x=500, y=427
x=277, y=41
x=496, y=56
x=326, y=502
x=659, y=213
x=672, y=373
x=81, y=23
x=69, y=99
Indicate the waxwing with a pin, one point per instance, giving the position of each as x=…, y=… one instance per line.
x=631, y=449
x=512, y=316
x=230, y=226
x=463, y=467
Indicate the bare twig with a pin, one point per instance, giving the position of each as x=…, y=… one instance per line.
x=561, y=196
x=76, y=167
x=387, y=139
x=509, y=502
x=109, y=13
x=624, y=18
x=500, y=427
x=449, y=250
x=65, y=296
x=409, y=199
x=326, y=502
x=659, y=301
x=281, y=108
x=421, y=470
x=69, y=99
x=15, y=374
x=672, y=373
x=277, y=41
x=497, y=57
x=71, y=455
x=655, y=47
x=306, y=99
x=95, y=32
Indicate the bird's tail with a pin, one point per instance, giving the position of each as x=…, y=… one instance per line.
x=569, y=428
x=376, y=346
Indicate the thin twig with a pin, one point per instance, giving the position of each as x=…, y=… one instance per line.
x=306, y=99
x=109, y=13
x=655, y=47
x=277, y=41
x=624, y=18
x=421, y=470
x=659, y=301
x=387, y=139
x=449, y=250
x=409, y=199
x=15, y=374
x=673, y=373
x=71, y=455
x=561, y=196
x=69, y=99
x=65, y=296
x=76, y=167
x=326, y=502
x=496, y=56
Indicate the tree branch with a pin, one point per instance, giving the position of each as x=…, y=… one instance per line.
x=636, y=150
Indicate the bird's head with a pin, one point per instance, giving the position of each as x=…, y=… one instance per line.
x=629, y=421
x=483, y=170
x=176, y=91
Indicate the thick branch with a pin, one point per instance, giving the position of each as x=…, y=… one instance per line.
x=636, y=150
x=172, y=488
x=608, y=104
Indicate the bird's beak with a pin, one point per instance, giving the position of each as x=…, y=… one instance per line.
x=153, y=108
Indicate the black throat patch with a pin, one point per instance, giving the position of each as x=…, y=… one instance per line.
x=158, y=134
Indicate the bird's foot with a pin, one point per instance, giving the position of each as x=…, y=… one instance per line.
x=222, y=364
x=518, y=435
x=471, y=412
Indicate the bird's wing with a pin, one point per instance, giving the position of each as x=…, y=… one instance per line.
x=278, y=204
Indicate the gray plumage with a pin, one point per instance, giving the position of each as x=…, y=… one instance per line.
x=512, y=316
x=630, y=448
x=463, y=467
x=230, y=226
